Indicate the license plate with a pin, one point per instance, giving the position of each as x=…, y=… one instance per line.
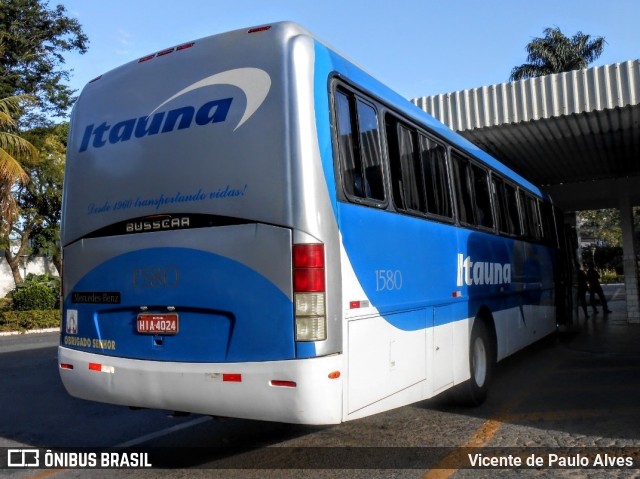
x=149, y=323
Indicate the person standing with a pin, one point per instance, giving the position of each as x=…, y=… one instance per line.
x=583, y=287
x=593, y=278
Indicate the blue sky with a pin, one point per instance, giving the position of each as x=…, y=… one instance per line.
x=418, y=48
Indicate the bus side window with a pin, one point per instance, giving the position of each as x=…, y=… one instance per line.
x=548, y=225
x=504, y=221
x=359, y=146
x=530, y=217
x=523, y=214
x=370, y=151
x=395, y=166
x=406, y=178
x=351, y=172
x=484, y=213
x=512, y=208
x=434, y=170
x=534, y=218
x=464, y=197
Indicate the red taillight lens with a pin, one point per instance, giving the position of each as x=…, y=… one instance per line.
x=308, y=280
x=308, y=268
x=308, y=256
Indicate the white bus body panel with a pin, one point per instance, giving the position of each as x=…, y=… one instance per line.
x=200, y=388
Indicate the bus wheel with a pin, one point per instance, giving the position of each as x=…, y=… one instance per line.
x=474, y=391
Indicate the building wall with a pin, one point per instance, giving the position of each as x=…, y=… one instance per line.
x=33, y=264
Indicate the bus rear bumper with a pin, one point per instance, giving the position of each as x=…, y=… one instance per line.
x=305, y=391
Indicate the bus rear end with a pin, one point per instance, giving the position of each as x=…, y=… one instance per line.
x=187, y=283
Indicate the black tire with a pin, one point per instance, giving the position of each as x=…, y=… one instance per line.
x=473, y=392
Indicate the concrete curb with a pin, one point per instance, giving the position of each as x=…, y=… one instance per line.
x=31, y=331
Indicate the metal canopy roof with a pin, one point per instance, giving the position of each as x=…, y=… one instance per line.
x=574, y=133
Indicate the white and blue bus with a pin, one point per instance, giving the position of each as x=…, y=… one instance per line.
x=254, y=227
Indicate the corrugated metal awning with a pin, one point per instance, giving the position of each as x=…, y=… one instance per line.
x=577, y=126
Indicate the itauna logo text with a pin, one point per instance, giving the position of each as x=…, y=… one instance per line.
x=214, y=111
x=253, y=82
x=481, y=272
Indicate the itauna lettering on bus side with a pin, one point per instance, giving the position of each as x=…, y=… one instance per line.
x=214, y=111
x=481, y=272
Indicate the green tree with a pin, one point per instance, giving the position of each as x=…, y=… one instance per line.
x=603, y=226
x=15, y=152
x=35, y=39
x=556, y=53
x=39, y=201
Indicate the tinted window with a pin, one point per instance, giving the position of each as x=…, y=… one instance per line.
x=535, y=225
x=548, y=223
x=351, y=171
x=370, y=151
x=502, y=217
x=530, y=216
x=484, y=212
x=526, y=223
x=406, y=175
x=359, y=147
x=462, y=181
x=511, y=208
x=436, y=179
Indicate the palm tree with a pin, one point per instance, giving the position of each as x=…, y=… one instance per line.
x=556, y=53
x=14, y=152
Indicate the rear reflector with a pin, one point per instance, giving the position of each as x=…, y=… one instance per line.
x=281, y=383
x=232, y=377
x=66, y=366
x=101, y=368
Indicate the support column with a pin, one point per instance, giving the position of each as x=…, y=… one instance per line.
x=629, y=254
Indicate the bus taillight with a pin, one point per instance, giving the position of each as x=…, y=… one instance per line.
x=309, y=292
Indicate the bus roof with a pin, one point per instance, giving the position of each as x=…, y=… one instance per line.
x=140, y=131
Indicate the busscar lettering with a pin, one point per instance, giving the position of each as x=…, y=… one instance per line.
x=214, y=111
x=163, y=224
